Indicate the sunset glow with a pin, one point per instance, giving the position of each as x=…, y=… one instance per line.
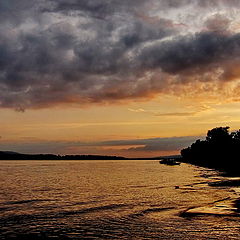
x=132, y=78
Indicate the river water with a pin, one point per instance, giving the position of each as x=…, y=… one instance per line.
x=113, y=200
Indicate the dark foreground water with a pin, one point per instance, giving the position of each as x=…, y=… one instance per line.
x=113, y=200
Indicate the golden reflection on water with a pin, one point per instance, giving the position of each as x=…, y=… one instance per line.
x=109, y=199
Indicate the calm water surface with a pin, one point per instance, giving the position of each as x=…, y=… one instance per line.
x=110, y=200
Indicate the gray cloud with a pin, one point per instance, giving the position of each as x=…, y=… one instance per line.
x=90, y=51
x=192, y=52
x=153, y=144
x=164, y=144
x=129, y=146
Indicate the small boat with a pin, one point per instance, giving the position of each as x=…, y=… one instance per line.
x=169, y=161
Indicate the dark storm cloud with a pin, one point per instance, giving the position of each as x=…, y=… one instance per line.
x=92, y=51
x=215, y=3
x=191, y=52
x=99, y=8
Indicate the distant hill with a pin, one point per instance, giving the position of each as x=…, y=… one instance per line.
x=9, y=155
x=8, y=152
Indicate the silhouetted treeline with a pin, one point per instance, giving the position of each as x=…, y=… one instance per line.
x=220, y=150
x=19, y=156
x=8, y=155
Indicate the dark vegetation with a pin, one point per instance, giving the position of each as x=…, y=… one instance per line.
x=8, y=155
x=18, y=156
x=220, y=150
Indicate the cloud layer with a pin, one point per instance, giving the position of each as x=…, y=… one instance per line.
x=91, y=51
x=133, y=147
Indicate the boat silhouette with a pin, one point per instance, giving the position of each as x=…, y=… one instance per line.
x=169, y=161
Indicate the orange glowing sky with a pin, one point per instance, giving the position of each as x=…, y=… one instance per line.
x=85, y=131
x=139, y=78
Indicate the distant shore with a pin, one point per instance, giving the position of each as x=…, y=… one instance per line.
x=8, y=155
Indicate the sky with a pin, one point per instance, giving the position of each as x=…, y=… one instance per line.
x=132, y=78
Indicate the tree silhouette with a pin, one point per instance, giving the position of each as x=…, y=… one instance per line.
x=218, y=135
x=220, y=150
